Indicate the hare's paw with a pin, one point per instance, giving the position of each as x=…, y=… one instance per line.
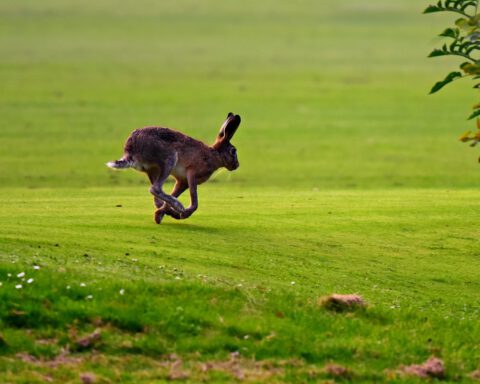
x=172, y=213
x=176, y=205
x=166, y=210
x=187, y=213
x=168, y=199
x=159, y=215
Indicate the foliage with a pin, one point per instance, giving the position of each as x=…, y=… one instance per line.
x=465, y=43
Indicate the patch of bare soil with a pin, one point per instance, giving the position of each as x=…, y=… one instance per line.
x=237, y=367
x=88, y=378
x=243, y=369
x=432, y=368
x=475, y=375
x=90, y=340
x=63, y=358
x=342, y=303
x=338, y=371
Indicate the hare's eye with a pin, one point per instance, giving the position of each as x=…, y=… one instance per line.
x=233, y=151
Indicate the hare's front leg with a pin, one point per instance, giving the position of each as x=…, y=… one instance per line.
x=157, y=187
x=192, y=185
x=163, y=208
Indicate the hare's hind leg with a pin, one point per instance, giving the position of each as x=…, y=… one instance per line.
x=157, y=186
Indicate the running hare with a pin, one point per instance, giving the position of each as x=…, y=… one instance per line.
x=160, y=152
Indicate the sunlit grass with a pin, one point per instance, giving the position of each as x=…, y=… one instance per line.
x=237, y=279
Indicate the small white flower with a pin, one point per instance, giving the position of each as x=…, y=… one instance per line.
x=292, y=283
x=9, y=274
x=1, y=283
x=122, y=291
x=246, y=337
x=177, y=277
x=89, y=297
x=18, y=286
x=134, y=259
x=240, y=285
x=83, y=285
x=36, y=267
x=30, y=281
x=68, y=287
x=21, y=274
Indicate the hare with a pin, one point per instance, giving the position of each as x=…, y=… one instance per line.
x=160, y=152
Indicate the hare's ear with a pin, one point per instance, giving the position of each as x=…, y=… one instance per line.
x=229, y=127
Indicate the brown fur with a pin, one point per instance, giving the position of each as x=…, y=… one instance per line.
x=160, y=152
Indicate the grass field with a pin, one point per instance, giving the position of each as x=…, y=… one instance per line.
x=351, y=181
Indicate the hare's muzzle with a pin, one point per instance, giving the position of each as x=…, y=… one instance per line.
x=234, y=166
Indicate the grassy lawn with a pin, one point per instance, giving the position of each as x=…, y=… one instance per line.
x=351, y=181
x=245, y=281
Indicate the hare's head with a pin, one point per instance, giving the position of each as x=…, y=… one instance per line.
x=227, y=152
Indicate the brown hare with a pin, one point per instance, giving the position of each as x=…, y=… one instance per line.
x=160, y=152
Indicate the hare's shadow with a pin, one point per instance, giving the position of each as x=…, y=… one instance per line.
x=187, y=227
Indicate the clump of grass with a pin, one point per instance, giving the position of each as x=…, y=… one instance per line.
x=3, y=342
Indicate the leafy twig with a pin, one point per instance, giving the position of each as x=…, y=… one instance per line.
x=466, y=42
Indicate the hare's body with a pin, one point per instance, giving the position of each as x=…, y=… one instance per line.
x=148, y=148
x=160, y=152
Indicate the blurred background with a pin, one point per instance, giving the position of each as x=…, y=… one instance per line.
x=333, y=95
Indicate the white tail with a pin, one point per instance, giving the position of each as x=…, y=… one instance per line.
x=119, y=164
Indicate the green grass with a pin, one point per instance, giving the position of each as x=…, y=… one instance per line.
x=222, y=282
x=351, y=181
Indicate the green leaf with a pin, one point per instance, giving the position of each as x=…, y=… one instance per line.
x=470, y=69
x=463, y=24
x=433, y=8
x=472, y=48
x=450, y=32
x=474, y=114
x=439, y=52
x=450, y=77
x=468, y=3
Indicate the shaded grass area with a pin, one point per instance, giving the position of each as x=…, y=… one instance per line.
x=150, y=322
x=252, y=288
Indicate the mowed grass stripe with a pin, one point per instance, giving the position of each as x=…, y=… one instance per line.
x=332, y=240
